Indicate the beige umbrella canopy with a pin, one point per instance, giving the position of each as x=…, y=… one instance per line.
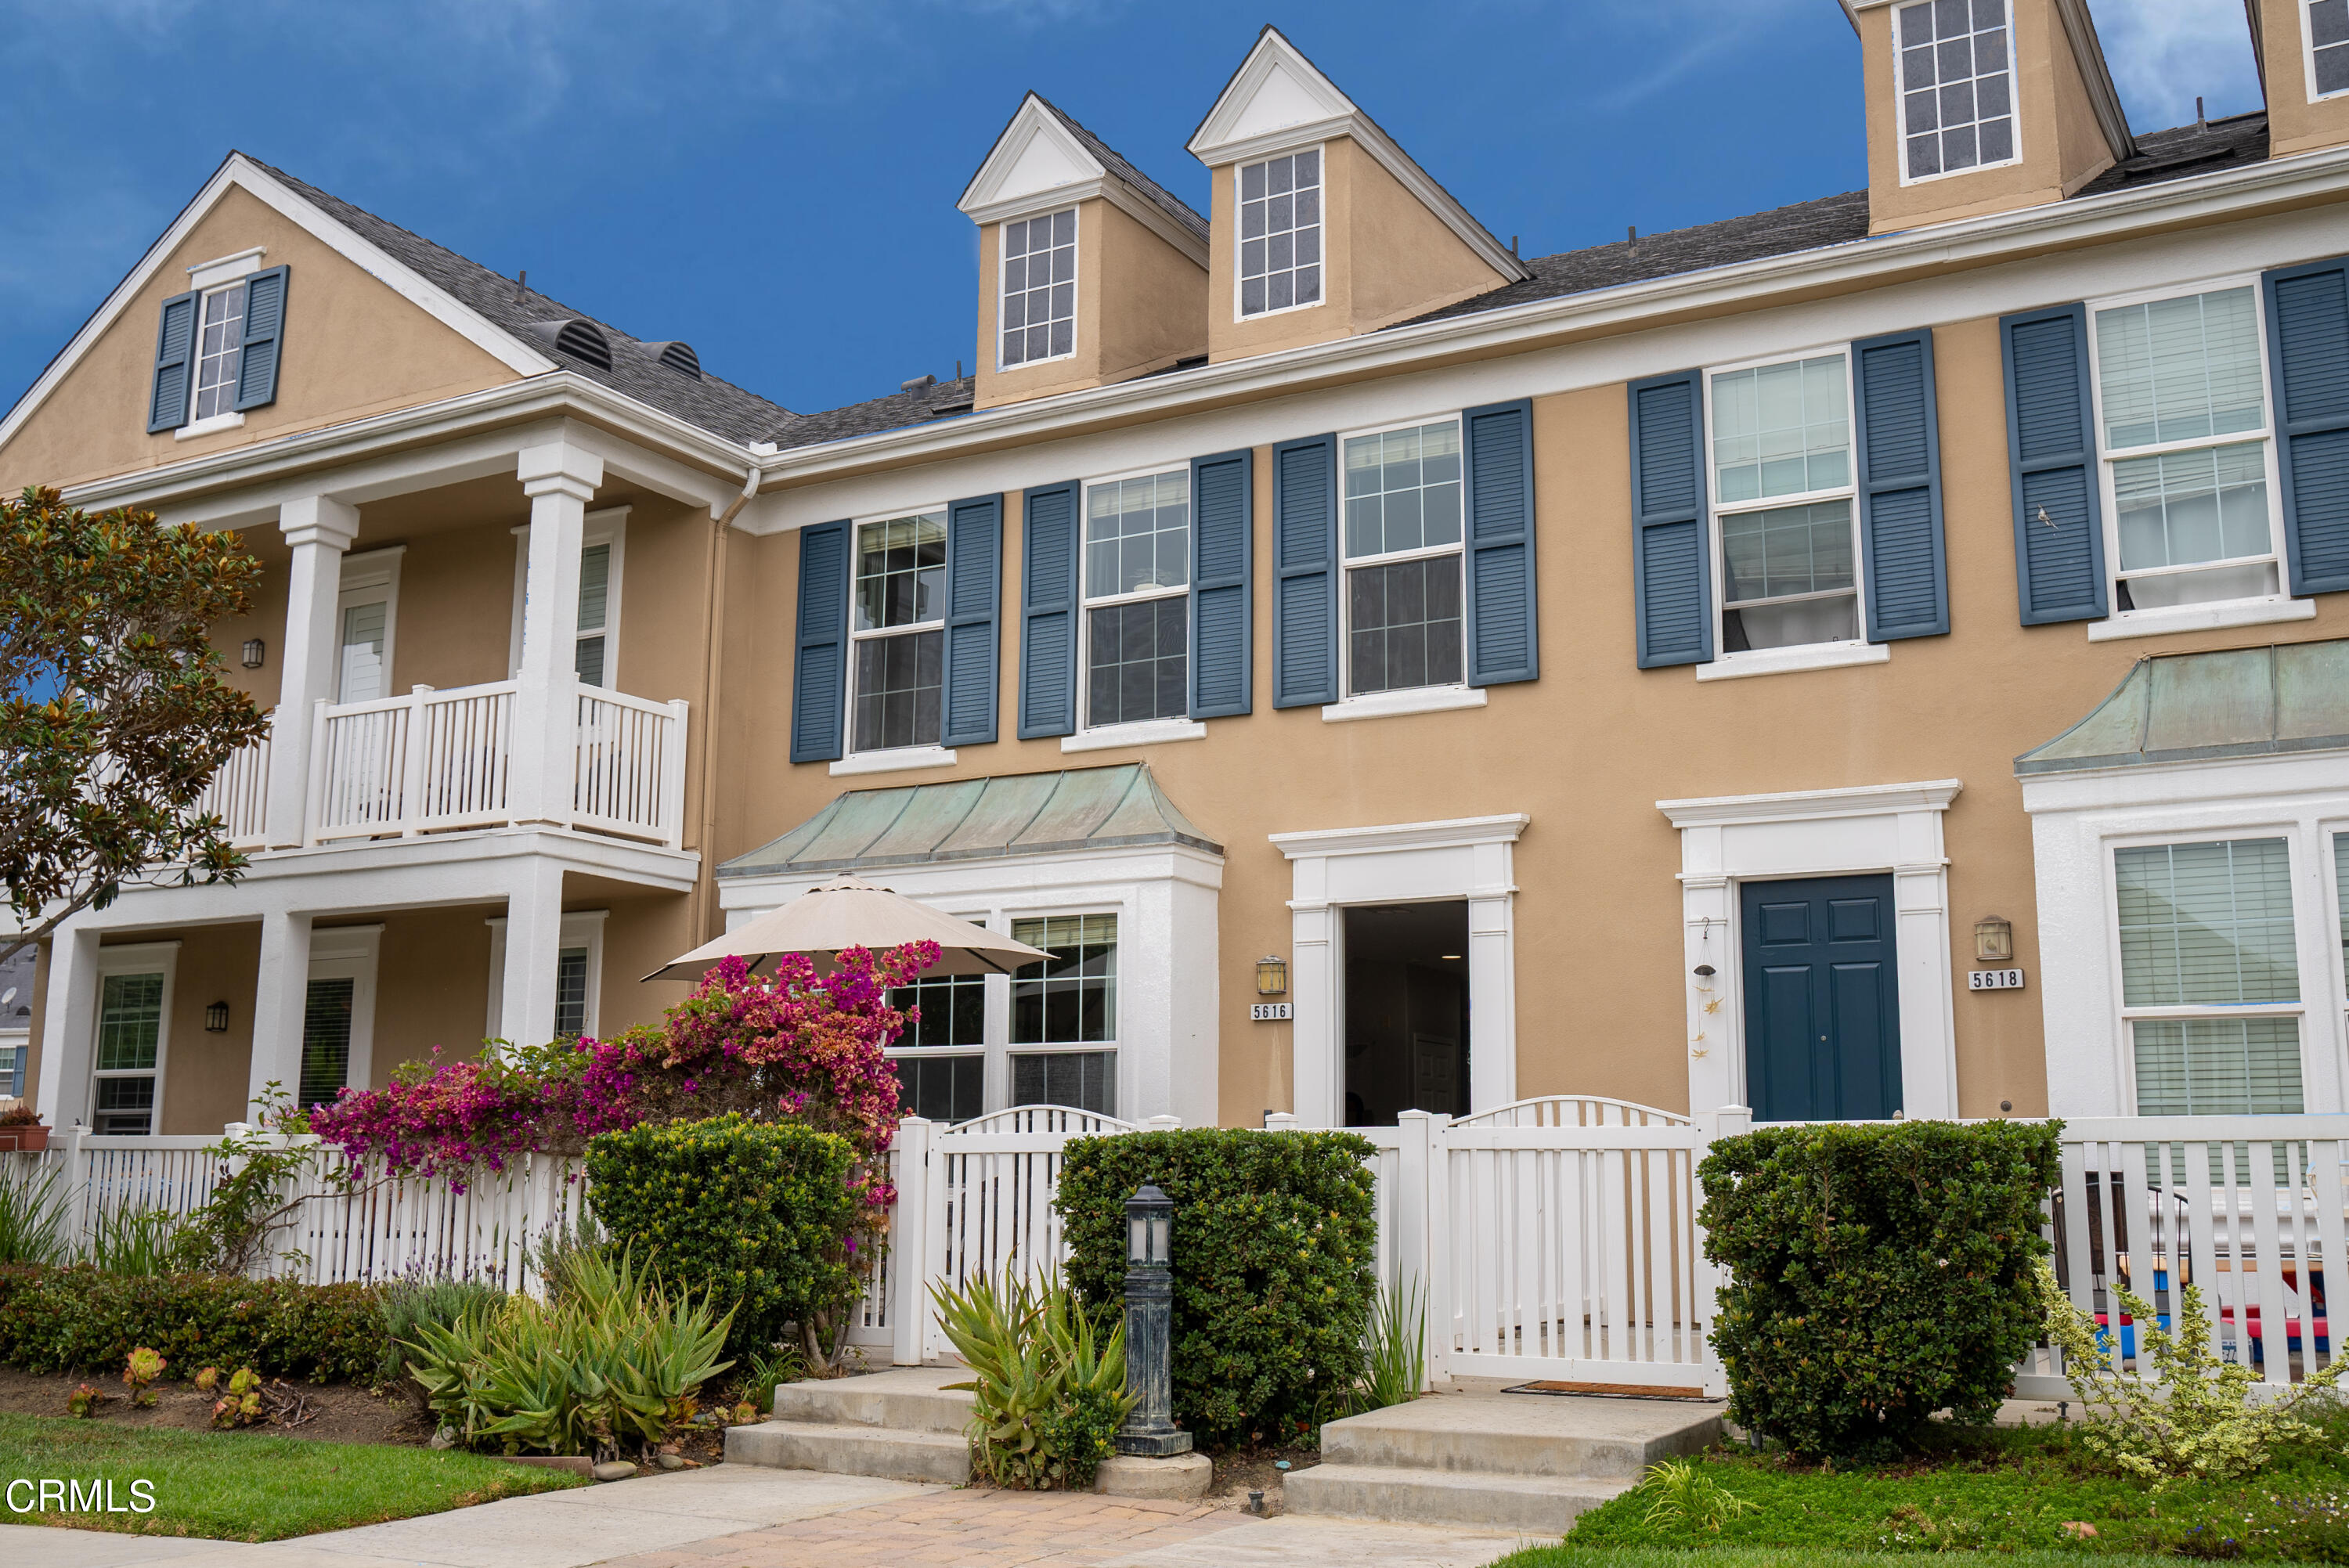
x=846, y=913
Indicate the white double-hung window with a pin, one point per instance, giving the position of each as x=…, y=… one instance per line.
x=898, y=626
x=1039, y=289
x=1281, y=233
x=1400, y=532
x=220, y=343
x=1955, y=61
x=2188, y=464
x=2327, y=31
x=1137, y=599
x=1784, y=512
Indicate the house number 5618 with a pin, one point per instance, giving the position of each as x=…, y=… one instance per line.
x=1994, y=980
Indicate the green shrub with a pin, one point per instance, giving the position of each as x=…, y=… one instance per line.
x=81, y=1318
x=1876, y=1274
x=1048, y=1391
x=404, y=1307
x=610, y=1366
x=1273, y=1248
x=755, y=1214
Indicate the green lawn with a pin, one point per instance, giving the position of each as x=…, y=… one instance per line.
x=1788, y=1557
x=245, y=1486
x=2009, y=1492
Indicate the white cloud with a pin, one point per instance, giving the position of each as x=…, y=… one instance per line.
x=2163, y=53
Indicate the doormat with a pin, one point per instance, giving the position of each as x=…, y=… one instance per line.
x=1609, y=1390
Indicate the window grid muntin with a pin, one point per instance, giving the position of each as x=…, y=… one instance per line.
x=1939, y=97
x=1111, y=562
x=2325, y=25
x=1049, y=241
x=2109, y=459
x=1719, y=512
x=219, y=344
x=1450, y=483
x=897, y=587
x=1265, y=224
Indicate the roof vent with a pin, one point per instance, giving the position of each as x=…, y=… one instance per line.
x=919, y=384
x=578, y=337
x=679, y=357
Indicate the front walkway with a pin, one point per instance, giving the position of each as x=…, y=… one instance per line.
x=741, y=1516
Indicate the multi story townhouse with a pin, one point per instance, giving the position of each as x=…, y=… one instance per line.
x=1884, y=655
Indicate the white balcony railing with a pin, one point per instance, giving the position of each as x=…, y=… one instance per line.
x=239, y=793
x=434, y=761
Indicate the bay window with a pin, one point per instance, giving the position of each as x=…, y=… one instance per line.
x=1137, y=599
x=941, y=1058
x=898, y=624
x=1401, y=539
x=1783, y=503
x=1064, y=1014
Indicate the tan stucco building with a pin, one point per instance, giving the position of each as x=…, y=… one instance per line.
x=1387, y=672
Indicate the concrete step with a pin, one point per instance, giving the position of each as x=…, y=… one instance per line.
x=852, y=1450
x=904, y=1400
x=1538, y=1435
x=1536, y=1505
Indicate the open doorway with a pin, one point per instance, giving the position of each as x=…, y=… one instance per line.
x=1406, y=1010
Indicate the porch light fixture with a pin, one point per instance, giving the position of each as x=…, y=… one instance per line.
x=216, y=1018
x=256, y=652
x=1150, y=1430
x=1994, y=940
x=1271, y=976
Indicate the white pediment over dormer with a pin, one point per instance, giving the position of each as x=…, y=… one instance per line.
x=1036, y=160
x=1276, y=93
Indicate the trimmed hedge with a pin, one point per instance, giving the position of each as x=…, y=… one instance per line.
x=1877, y=1275
x=1274, y=1244
x=756, y=1213
x=78, y=1320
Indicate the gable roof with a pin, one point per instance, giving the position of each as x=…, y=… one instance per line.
x=1042, y=160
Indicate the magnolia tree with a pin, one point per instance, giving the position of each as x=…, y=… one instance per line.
x=793, y=1045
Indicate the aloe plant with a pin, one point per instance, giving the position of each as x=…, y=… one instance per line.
x=1049, y=1388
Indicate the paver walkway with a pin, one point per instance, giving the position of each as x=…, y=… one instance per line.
x=738, y=1516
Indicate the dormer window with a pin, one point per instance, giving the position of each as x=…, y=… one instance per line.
x=1040, y=288
x=1281, y=233
x=1955, y=59
x=2328, y=47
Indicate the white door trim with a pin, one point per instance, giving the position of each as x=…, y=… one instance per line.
x=1729, y=839
x=352, y=953
x=1467, y=858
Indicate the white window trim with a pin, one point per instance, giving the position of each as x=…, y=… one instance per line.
x=1165, y=897
x=1155, y=728
x=1147, y=732
x=1076, y=303
x=214, y=426
x=581, y=928
x=1900, y=107
x=229, y=269
x=1379, y=703
x=890, y=759
x=1239, y=315
x=2079, y=818
x=1843, y=651
x=1469, y=858
x=219, y=421
x=353, y=953
x=609, y=526
x=1728, y=840
x=2308, y=57
x=137, y=958
x=2257, y=610
x=369, y=577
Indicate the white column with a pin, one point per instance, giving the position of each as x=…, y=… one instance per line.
x=1317, y=1058
x=69, y=1027
x=280, y=999
x=534, y=952
x=560, y=479
x=1929, y=1058
x=1491, y=979
x=320, y=528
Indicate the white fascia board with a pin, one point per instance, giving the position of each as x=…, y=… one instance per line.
x=244, y=481
x=1741, y=287
x=240, y=172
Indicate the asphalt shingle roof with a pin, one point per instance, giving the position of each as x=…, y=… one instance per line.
x=1166, y=200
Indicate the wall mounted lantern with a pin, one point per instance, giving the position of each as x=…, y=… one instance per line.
x=1271, y=974
x=216, y=1018
x=1150, y=1429
x=255, y=651
x=1994, y=940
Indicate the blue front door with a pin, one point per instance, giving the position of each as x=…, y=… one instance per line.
x=1822, y=1003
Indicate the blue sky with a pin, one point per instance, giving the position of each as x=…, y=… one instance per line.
x=774, y=181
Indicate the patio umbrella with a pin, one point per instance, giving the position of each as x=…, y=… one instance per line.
x=847, y=912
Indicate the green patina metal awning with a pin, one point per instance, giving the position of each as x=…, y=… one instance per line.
x=1119, y=807
x=2186, y=707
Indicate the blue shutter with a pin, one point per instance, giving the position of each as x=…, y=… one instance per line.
x=1047, y=614
x=1671, y=564
x=820, y=671
x=2051, y=434
x=1504, y=633
x=1223, y=584
x=264, y=329
x=175, y=356
x=2307, y=356
x=1901, y=555
x=1305, y=573
x=974, y=589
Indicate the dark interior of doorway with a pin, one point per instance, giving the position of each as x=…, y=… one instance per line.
x=1406, y=1010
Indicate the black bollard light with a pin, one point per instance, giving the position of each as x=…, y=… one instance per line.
x=1150, y=1429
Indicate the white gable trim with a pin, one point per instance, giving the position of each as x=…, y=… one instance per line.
x=1036, y=167
x=242, y=173
x=1278, y=101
